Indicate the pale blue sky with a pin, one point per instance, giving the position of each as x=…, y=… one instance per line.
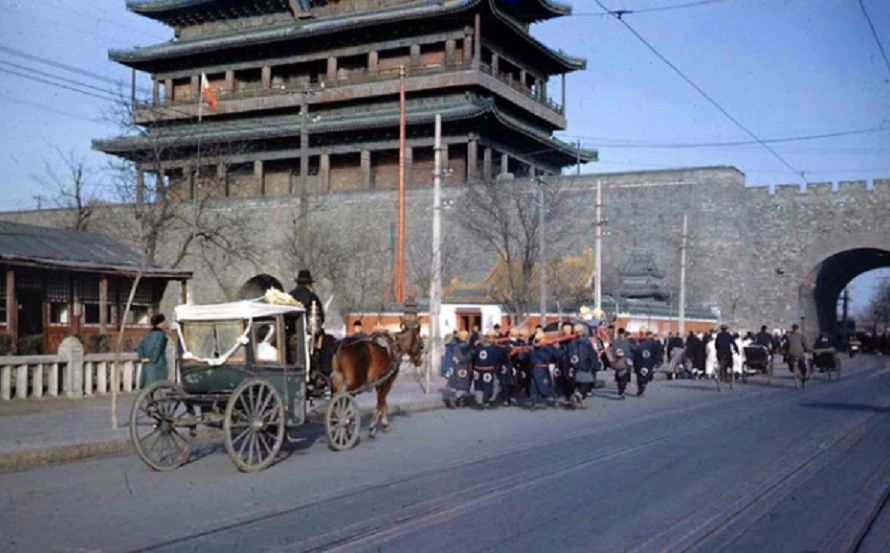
x=783, y=68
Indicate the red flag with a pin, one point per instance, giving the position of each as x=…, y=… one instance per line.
x=207, y=92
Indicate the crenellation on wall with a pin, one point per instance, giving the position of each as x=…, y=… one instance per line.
x=820, y=188
x=852, y=186
x=881, y=186
x=789, y=190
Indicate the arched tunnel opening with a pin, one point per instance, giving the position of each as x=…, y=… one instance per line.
x=256, y=287
x=825, y=283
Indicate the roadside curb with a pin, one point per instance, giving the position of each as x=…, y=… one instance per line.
x=37, y=458
x=22, y=461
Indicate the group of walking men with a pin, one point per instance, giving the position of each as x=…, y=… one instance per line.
x=542, y=371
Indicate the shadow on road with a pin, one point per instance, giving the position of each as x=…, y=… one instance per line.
x=845, y=406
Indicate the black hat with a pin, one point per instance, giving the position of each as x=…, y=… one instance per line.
x=304, y=277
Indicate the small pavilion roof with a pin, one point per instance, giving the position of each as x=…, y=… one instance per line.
x=143, y=57
x=84, y=251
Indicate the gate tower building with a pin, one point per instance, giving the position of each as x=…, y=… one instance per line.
x=473, y=61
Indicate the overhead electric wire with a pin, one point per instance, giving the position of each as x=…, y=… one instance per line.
x=619, y=143
x=647, y=10
x=703, y=93
x=875, y=34
x=51, y=83
x=64, y=67
x=51, y=76
x=46, y=108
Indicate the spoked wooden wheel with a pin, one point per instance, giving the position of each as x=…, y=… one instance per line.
x=158, y=426
x=342, y=422
x=254, y=425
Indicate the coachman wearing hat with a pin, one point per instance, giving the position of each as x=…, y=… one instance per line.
x=304, y=294
x=323, y=344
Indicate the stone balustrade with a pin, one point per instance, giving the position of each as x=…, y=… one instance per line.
x=71, y=373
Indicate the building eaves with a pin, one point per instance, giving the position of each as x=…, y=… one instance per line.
x=319, y=26
x=47, y=247
x=285, y=126
x=535, y=10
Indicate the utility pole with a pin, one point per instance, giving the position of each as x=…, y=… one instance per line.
x=435, y=363
x=598, y=247
x=304, y=168
x=542, y=257
x=682, y=310
x=400, y=253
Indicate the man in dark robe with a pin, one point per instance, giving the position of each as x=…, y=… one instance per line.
x=152, y=352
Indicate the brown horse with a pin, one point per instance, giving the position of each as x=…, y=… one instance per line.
x=374, y=361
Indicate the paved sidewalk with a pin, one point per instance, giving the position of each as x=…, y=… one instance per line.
x=40, y=432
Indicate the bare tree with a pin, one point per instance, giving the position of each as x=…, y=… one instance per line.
x=504, y=215
x=878, y=308
x=70, y=184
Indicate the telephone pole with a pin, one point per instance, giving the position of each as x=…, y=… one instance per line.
x=682, y=310
x=598, y=248
x=542, y=276
x=435, y=363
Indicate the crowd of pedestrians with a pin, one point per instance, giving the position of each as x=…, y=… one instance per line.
x=546, y=370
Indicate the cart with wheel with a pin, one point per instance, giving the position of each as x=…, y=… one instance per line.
x=244, y=368
x=826, y=360
x=757, y=359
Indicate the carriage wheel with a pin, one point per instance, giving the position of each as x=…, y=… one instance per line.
x=254, y=425
x=157, y=431
x=342, y=422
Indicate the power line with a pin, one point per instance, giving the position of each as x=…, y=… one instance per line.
x=875, y=34
x=51, y=76
x=622, y=13
x=62, y=66
x=46, y=108
x=39, y=80
x=703, y=93
x=622, y=143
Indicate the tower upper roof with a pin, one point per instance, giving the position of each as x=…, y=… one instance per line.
x=143, y=58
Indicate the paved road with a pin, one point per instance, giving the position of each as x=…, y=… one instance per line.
x=686, y=468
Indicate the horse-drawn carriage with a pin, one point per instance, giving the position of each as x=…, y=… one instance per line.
x=244, y=368
x=826, y=360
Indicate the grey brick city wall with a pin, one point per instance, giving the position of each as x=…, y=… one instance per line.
x=754, y=255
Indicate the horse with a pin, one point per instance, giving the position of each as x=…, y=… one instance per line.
x=374, y=360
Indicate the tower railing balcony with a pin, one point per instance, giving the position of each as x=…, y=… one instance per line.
x=246, y=91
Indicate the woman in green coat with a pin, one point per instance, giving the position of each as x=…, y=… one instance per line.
x=152, y=352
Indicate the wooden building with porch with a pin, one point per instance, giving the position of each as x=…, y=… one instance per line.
x=59, y=282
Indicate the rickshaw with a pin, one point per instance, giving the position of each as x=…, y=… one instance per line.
x=827, y=361
x=757, y=359
x=244, y=368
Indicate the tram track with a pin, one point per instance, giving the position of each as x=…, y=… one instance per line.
x=416, y=515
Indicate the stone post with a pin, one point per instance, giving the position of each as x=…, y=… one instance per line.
x=366, y=169
x=415, y=56
x=71, y=350
x=21, y=381
x=172, y=360
x=155, y=92
x=260, y=176
x=324, y=172
x=37, y=381
x=195, y=85
x=230, y=81
x=495, y=64
x=168, y=91
x=373, y=61
x=409, y=166
x=486, y=164
x=472, y=159
x=5, y=382
x=266, y=76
